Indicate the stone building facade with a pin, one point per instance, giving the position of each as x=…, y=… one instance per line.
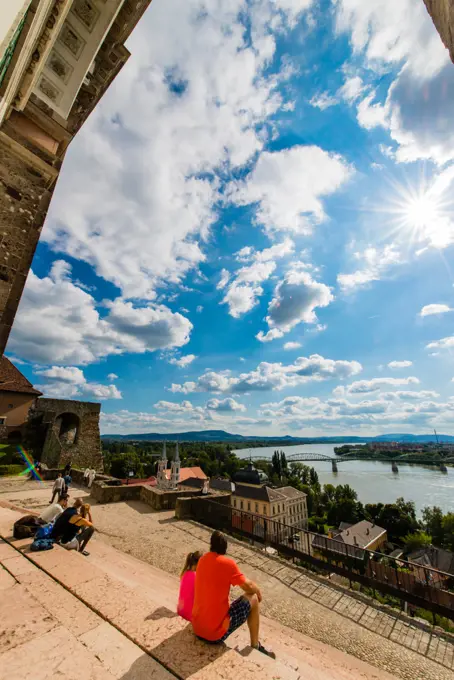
x=66, y=431
x=442, y=13
x=57, y=58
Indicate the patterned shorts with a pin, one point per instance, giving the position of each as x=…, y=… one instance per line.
x=238, y=612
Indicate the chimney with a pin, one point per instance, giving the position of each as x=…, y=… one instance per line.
x=355, y=540
x=368, y=531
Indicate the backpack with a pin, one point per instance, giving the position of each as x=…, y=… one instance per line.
x=42, y=544
x=45, y=531
x=26, y=527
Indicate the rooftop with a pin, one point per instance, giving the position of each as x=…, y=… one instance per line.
x=259, y=493
x=291, y=493
x=12, y=380
x=361, y=534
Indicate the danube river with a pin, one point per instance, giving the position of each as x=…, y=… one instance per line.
x=374, y=481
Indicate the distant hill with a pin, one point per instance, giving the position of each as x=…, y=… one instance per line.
x=222, y=436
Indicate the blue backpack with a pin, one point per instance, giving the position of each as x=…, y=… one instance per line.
x=42, y=544
x=45, y=531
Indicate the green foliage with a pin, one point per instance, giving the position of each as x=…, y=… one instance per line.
x=11, y=470
x=399, y=518
x=413, y=542
x=432, y=520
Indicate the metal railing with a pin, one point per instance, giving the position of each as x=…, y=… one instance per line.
x=408, y=582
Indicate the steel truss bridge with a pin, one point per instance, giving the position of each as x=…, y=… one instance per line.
x=308, y=457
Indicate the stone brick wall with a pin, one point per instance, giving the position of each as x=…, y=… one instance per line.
x=442, y=13
x=24, y=199
x=47, y=428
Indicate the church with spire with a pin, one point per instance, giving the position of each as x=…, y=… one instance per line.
x=164, y=480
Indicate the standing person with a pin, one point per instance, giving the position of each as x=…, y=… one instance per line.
x=67, y=480
x=86, y=476
x=187, y=586
x=72, y=530
x=213, y=619
x=91, y=478
x=67, y=470
x=58, y=488
x=51, y=513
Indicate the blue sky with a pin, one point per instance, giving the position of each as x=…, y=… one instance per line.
x=254, y=230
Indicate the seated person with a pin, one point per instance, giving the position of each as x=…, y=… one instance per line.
x=51, y=513
x=72, y=530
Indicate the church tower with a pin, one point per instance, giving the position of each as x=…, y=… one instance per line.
x=162, y=469
x=175, y=469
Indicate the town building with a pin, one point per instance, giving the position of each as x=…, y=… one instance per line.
x=57, y=58
x=17, y=396
x=352, y=539
x=285, y=505
x=433, y=558
x=56, y=431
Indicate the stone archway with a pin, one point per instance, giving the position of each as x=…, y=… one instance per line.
x=68, y=425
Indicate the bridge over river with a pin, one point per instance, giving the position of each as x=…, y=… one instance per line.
x=308, y=456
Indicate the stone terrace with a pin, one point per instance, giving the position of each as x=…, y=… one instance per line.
x=299, y=600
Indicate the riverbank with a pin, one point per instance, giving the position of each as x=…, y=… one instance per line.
x=374, y=481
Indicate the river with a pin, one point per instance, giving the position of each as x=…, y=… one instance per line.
x=374, y=481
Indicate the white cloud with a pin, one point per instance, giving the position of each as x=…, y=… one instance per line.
x=241, y=298
x=393, y=33
x=183, y=361
x=443, y=343
x=144, y=205
x=295, y=300
x=228, y=405
x=429, y=310
x=223, y=281
x=352, y=88
x=291, y=345
x=289, y=186
x=400, y=364
x=374, y=385
x=417, y=112
x=112, y=376
x=323, y=101
x=244, y=290
x=272, y=376
x=69, y=329
x=375, y=262
x=199, y=309
x=68, y=382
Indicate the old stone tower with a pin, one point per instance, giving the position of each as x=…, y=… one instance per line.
x=57, y=58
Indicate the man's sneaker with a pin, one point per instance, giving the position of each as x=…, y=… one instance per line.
x=261, y=648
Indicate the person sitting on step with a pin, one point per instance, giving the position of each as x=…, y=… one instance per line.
x=213, y=619
x=51, y=513
x=187, y=586
x=71, y=530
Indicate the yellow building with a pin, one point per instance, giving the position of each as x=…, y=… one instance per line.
x=285, y=505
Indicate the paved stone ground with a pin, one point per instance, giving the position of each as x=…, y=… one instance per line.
x=294, y=599
x=46, y=633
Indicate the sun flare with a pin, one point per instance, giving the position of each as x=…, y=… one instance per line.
x=423, y=211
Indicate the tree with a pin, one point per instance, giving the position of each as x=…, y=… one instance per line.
x=432, y=519
x=413, y=542
x=277, y=464
x=448, y=531
x=300, y=471
x=313, y=476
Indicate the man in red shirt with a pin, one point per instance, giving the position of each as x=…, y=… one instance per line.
x=213, y=618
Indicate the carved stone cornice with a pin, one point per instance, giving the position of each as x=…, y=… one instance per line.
x=51, y=27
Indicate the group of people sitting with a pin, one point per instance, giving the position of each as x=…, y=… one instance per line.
x=204, y=596
x=72, y=527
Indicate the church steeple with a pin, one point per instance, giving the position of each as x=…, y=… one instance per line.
x=175, y=469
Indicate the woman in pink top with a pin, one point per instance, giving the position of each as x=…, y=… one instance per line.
x=187, y=586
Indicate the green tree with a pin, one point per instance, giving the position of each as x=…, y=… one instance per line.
x=413, y=542
x=313, y=477
x=277, y=465
x=448, y=531
x=432, y=520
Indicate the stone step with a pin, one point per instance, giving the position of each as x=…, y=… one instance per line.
x=139, y=601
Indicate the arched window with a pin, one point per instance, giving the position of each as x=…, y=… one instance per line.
x=68, y=428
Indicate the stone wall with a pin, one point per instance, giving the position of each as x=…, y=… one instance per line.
x=442, y=13
x=24, y=199
x=66, y=431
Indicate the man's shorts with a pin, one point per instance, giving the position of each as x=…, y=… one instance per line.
x=239, y=612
